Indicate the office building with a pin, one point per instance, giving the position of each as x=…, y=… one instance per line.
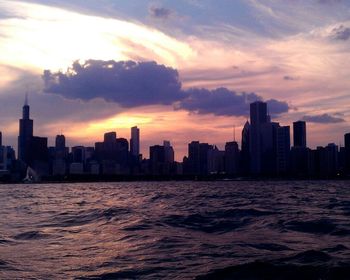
x=258, y=117
x=299, y=134
x=232, y=158
x=135, y=142
x=283, y=150
x=245, y=150
x=347, y=153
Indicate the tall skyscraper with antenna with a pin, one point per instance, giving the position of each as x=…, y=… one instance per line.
x=25, y=133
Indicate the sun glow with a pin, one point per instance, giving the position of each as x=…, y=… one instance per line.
x=120, y=122
x=37, y=36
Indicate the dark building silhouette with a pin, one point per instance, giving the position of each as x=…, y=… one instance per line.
x=122, y=155
x=258, y=113
x=135, y=142
x=232, y=158
x=60, y=157
x=162, y=159
x=38, y=155
x=258, y=117
x=197, y=161
x=7, y=158
x=193, y=161
x=157, y=159
x=25, y=134
x=215, y=161
x=110, y=137
x=135, y=156
x=78, y=154
x=283, y=149
x=0, y=138
x=331, y=159
x=60, y=142
x=299, y=134
x=303, y=161
x=268, y=142
x=341, y=161
x=168, y=152
x=113, y=154
x=347, y=153
x=300, y=161
x=204, y=149
x=60, y=150
x=107, y=150
x=245, y=150
x=78, y=160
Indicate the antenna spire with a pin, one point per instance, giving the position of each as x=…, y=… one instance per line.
x=26, y=99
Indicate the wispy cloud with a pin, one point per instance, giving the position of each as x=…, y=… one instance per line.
x=323, y=118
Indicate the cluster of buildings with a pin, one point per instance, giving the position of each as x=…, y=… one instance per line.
x=265, y=150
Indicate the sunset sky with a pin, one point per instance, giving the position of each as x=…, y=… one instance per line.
x=180, y=70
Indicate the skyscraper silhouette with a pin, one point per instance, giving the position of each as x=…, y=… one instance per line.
x=299, y=134
x=347, y=152
x=258, y=117
x=135, y=141
x=231, y=158
x=60, y=142
x=245, y=150
x=25, y=133
x=258, y=113
x=283, y=149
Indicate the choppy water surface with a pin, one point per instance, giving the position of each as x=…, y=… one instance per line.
x=175, y=230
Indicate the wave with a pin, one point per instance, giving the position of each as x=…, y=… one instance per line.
x=125, y=274
x=321, y=226
x=266, y=270
x=4, y=240
x=77, y=218
x=204, y=223
x=31, y=235
x=216, y=221
x=269, y=247
x=310, y=256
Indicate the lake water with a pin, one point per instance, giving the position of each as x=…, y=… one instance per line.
x=176, y=230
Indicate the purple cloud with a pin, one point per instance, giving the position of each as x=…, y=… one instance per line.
x=220, y=101
x=341, y=33
x=128, y=83
x=133, y=84
x=159, y=12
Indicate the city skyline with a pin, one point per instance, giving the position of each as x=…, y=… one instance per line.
x=215, y=58
x=298, y=135
x=265, y=150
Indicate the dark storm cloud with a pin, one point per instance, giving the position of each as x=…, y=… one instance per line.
x=133, y=84
x=341, y=33
x=159, y=12
x=127, y=83
x=220, y=101
x=277, y=107
x=324, y=118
